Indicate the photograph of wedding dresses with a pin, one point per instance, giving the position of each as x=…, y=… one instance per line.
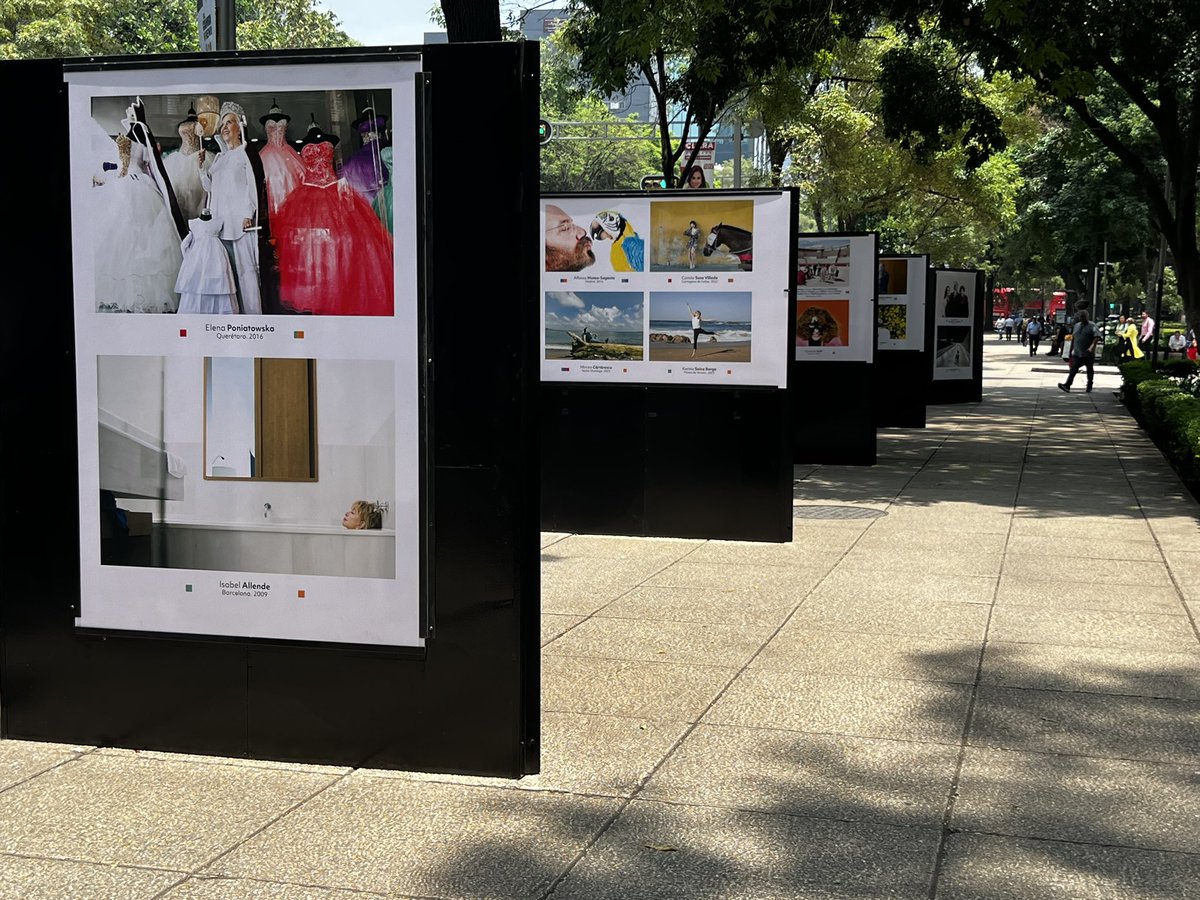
x=239, y=203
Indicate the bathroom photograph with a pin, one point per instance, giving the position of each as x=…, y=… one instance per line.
x=248, y=465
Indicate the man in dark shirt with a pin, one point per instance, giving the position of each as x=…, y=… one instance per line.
x=1084, y=338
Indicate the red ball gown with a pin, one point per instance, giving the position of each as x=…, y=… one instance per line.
x=335, y=256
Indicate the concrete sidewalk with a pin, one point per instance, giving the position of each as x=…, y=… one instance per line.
x=975, y=673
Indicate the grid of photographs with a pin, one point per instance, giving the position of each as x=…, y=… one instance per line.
x=247, y=350
x=665, y=289
x=835, y=295
x=900, y=311
x=954, y=306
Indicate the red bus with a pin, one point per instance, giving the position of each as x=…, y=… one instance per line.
x=1006, y=303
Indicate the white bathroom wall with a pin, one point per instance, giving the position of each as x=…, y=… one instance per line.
x=131, y=388
x=356, y=424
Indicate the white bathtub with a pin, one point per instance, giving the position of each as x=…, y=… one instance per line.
x=276, y=547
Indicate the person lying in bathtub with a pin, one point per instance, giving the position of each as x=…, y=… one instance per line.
x=362, y=514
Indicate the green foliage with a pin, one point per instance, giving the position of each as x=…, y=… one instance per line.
x=698, y=56
x=52, y=28
x=1168, y=409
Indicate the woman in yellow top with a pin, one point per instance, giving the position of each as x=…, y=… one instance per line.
x=1129, y=333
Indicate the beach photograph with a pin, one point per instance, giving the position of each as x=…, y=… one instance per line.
x=701, y=235
x=822, y=323
x=594, y=325
x=712, y=326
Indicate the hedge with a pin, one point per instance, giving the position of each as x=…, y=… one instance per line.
x=1170, y=415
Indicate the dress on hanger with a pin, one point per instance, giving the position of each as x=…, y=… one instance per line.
x=383, y=200
x=282, y=168
x=205, y=283
x=137, y=254
x=335, y=256
x=364, y=171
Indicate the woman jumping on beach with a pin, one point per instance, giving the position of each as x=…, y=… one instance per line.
x=698, y=328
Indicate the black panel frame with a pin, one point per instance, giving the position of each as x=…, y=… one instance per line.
x=901, y=377
x=831, y=406
x=615, y=458
x=961, y=390
x=470, y=701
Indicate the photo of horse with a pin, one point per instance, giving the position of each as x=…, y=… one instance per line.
x=701, y=235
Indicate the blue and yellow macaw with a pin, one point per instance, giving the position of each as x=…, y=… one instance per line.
x=628, y=250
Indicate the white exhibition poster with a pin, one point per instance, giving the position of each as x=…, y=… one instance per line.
x=953, y=298
x=247, y=350
x=835, y=297
x=900, y=309
x=687, y=288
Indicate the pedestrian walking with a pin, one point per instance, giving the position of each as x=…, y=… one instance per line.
x=1034, y=332
x=1084, y=339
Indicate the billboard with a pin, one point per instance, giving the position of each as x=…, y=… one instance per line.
x=954, y=296
x=900, y=309
x=680, y=289
x=835, y=297
x=247, y=338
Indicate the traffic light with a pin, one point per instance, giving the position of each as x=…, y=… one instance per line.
x=655, y=183
x=545, y=132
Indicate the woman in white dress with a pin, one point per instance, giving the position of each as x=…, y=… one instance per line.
x=233, y=199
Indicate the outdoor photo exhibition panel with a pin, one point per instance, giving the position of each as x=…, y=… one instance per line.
x=901, y=303
x=687, y=289
x=247, y=351
x=835, y=297
x=955, y=304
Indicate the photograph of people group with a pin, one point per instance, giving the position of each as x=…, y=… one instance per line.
x=239, y=203
x=594, y=325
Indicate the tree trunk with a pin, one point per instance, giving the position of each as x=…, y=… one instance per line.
x=472, y=20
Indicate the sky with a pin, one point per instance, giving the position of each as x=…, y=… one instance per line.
x=378, y=22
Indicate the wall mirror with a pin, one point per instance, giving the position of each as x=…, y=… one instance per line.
x=260, y=419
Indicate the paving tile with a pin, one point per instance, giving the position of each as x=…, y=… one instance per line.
x=605, y=546
x=681, y=642
x=24, y=878
x=1152, y=806
x=421, y=838
x=816, y=535
x=1051, y=549
x=867, y=576
x=706, y=605
x=983, y=867
x=203, y=887
x=1083, y=529
x=808, y=555
x=838, y=612
x=1099, y=725
x=644, y=690
x=962, y=526
x=129, y=811
x=751, y=578
x=826, y=776
x=1114, y=574
x=889, y=708
x=552, y=537
x=1099, y=670
x=1057, y=593
x=274, y=765
x=797, y=649
x=721, y=853
x=25, y=759
x=1093, y=628
x=555, y=624
x=926, y=541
